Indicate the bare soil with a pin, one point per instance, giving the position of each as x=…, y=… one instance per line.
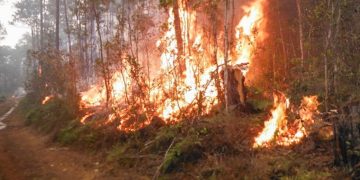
x=26, y=154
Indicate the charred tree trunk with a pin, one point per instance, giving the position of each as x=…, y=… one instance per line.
x=347, y=137
x=178, y=34
x=226, y=43
x=236, y=90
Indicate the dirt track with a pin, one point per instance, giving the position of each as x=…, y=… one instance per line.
x=25, y=154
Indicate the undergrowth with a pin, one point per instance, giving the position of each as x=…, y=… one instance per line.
x=49, y=117
x=205, y=148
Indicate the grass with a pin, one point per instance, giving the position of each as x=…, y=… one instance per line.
x=48, y=118
x=188, y=150
x=216, y=148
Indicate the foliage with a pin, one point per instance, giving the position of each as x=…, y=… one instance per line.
x=11, y=69
x=76, y=133
x=49, y=117
x=164, y=137
x=187, y=150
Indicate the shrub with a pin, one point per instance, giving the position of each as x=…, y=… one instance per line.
x=187, y=150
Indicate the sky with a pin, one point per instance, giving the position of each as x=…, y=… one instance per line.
x=14, y=32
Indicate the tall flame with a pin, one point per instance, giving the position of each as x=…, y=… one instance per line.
x=249, y=31
x=278, y=128
x=194, y=91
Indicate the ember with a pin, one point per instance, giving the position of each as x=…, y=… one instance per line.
x=47, y=99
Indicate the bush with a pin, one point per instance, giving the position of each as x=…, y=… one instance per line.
x=49, y=117
x=187, y=150
x=67, y=136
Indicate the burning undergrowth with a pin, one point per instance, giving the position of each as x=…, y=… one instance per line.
x=287, y=125
x=188, y=85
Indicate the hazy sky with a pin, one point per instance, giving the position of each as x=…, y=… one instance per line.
x=14, y=32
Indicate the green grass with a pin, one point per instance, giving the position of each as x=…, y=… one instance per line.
x=47, y=118
x=187, y=150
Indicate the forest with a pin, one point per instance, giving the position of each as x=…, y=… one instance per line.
x=181, y=89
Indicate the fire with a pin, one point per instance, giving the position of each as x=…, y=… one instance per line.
x=309, y=107
x=96, y=95
x=83, y=119
x=173, y=95
x=278, y=128
x=278, y=116
x=250, y=27
x=47, y=99
x=93, y=97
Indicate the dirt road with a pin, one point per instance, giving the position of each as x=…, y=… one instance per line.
x=25, y=154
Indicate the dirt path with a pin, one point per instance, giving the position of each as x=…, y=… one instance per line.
x=25, y=154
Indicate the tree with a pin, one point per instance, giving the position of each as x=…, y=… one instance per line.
x=41, y=24
x=179, y=39
x=226, y=48
x=96, y=7
x=57, y=39
x=298, y=5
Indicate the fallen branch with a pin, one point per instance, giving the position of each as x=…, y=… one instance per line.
x=157, y=173
x=149, y=156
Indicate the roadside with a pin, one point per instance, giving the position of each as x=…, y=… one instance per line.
x=219, y=147
x=25, y=154
x=6, y=106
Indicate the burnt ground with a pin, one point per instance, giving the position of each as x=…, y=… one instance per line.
x=222, y=151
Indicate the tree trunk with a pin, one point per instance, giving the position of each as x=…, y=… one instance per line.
x=298, y=5
x=338, y=52
x=178, y=34
x=71, y=59
x=282, y=41
x=226, y=43
x=326, y=63
x=57, y=38
x=214, y=25
x=105, y=70
x=67, y=27
x=41, y=25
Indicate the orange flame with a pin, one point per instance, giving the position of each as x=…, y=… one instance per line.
x=195, y=91
x=278, y=116
x=47, y=99
x=83, y=119
x=277, y=127
x=250, y=27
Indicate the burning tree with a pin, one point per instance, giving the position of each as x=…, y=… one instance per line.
x=189, y=81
